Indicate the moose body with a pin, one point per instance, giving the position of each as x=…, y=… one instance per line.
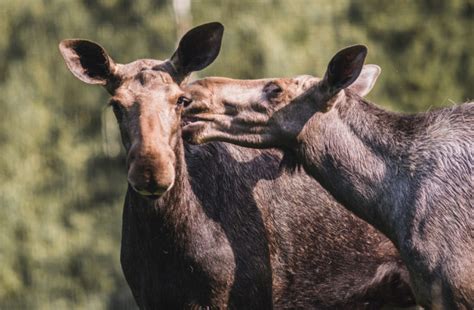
x=420, y=192
x=237, y=232
x=220, y=226
x=408, y=175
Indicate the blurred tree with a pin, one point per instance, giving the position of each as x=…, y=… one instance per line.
x=424, y=49
x=62, y=163
x=63, y=181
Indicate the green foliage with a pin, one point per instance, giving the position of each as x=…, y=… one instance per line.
x=62, y=168
x=62, y=186
x=424, y=48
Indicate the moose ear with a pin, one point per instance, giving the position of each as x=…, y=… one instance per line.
x=344, y=68
x=366, y=80
x=198, y=48
x=88, y=61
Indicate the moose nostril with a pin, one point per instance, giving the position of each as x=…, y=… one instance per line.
x=195, y=109
x=187, y=103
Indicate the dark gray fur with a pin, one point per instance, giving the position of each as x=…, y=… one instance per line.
x=411, y=176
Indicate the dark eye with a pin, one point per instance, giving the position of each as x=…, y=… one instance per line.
x=184, y=101
x=272, y=90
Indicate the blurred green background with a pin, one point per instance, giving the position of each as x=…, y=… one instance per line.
x=62, y=166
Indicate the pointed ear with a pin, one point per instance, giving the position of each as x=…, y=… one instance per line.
x=344, y=68
x=88, y=61
x=198, y=48
x=366, y=80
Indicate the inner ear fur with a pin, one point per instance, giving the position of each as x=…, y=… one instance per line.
x=88, y=61
x=366, y=80
x=344, y=68
x=198, y=48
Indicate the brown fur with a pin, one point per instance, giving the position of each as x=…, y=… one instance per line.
x=220, y=226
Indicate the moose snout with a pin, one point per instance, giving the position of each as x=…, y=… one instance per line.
x=151, y=175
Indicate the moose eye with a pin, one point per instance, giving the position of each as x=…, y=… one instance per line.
x=183, y=101
x=272, y=90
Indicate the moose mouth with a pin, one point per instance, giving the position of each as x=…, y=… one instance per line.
x=193, y=122
x=187, y=120
x=191, y=127
x=151, y=196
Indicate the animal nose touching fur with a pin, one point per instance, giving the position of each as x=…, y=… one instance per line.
x=223, y=226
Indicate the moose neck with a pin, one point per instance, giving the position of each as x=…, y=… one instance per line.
x=179, y=205
x=181, y=185
x=174, y=215
x=359, y=154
